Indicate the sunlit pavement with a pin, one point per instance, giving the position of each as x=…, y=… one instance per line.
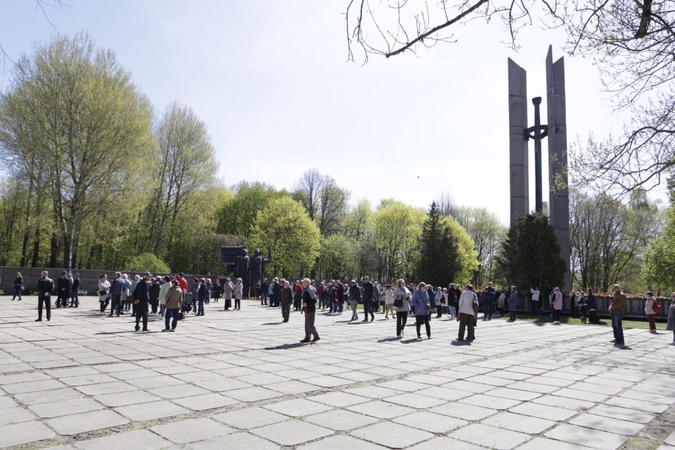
x=241, y=379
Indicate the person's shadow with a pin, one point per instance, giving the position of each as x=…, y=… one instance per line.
x=462, y=342
x=285, y=346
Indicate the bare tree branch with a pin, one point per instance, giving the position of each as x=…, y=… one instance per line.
x=436, y=29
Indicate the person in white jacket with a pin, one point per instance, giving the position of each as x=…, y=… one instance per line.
x=163, y=290
x=466, y=313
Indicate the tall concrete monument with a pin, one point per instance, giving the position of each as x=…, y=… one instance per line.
x=556, y=133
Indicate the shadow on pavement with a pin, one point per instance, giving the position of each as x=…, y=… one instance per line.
x=285, y=346
x=273, y=323
x=456, y=342
x=389, y=339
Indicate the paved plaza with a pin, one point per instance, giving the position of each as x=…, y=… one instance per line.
x=241, y=380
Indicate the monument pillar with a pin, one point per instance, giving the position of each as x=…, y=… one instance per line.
x=518, y=162
x=559, y=204
x=556, y=132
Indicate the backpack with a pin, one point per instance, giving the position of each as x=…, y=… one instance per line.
x=593, y=317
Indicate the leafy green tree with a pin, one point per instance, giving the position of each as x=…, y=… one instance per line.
x=194, y=229
x=359, y=225
x=147, y=262
x=336, y=258
x=530, y=254
x=73, y=113
x=466, y=250
x=660, y=257
x=185, y=165
x=397, y=231
x=439, y=261
x=237, y=216
x=487, y=234
x=294, y=237
x=608, y=238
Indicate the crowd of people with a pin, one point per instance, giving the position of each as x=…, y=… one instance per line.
x=172, y=297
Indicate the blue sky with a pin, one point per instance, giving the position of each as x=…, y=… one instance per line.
x=272, y=83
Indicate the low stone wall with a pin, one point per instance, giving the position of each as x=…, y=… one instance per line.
x=31, y=275
x=635, y=306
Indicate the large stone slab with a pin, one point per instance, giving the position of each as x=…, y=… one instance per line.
x=86, y=422
x=292, y=432
x=192, y=430
x=141, y=439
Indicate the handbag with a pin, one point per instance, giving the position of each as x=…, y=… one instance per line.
x=181, y=316
x=656, y=308
x=398, y=302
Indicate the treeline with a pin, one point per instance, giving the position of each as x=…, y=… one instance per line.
x=94, y=178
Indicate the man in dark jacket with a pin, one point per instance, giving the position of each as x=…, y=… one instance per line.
x=64, y=284
x=276, y=289
x=154, y=294
x=309, y=309
x=75, y=292
x=116, y=288
x=44, y=286
x=286, y=300
x=368, y=292
x=141, y=300
x=264, y=286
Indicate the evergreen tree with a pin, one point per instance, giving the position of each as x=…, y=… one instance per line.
x=530, y=254
x=439, y=248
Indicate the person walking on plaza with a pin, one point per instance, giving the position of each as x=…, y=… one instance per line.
x=142, y=300
x=64, y=285
x=439, y=298
x=466, y=313
x=183, y=284
x=354, y=297
x=421, y=305
x=513, y=304
x=116, y=289
x=452, y=302
x=649, y=311
x=103, y=289
x=286, y=300
x=238, y=294
x=501, y=302
x=202, y=296
x=228, y=290
x=297, y=296
x=75, y=292
x=18, y=286
x=264, y=289
x=173, y=299
x=388, y=301
x=45, y=286
x=557, y=304
x=130, y=299
x=163, y=290
x=536, y=293
x=402, y=305
x=671, y=316
x=155, y=286
x=309, y=309
x=194, y=294
x=488, y=302
x=617, y=308
x=368, y=297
